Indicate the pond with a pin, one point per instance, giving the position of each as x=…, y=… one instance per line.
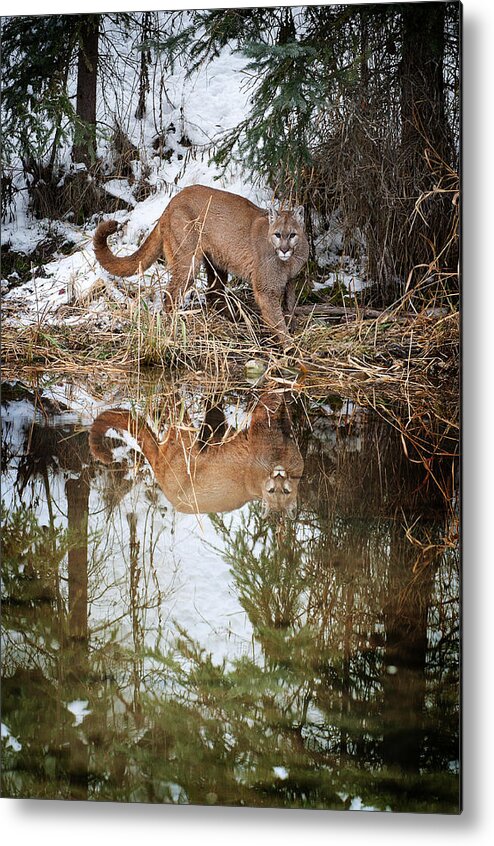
x=260, y=610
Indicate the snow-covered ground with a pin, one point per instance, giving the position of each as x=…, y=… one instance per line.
x=199, y=109
x=194, y=110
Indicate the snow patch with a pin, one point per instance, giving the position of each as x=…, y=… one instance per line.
x=78, y=707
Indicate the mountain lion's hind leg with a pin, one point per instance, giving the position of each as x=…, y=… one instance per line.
x=183, y=263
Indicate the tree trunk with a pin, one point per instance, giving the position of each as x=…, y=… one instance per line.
x=422, y=87
x=84, y=149
x=404, y=683
x=426, y=146
x=77, y=511
x=77, y=491
x=144, y=67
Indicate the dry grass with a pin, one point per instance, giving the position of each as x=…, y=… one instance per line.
x=402, y=357
x=404, y=206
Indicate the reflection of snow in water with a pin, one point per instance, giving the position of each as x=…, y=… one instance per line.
x=344, y=419
x=195, y=585
x=78, y=707
x=184, y=581
x=11, y=741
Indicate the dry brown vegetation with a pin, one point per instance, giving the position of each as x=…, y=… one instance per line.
x=394, y=355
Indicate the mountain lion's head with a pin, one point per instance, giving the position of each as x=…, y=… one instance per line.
x=279, y=492
x=286, y=229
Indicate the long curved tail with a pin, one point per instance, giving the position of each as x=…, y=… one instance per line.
x=148, y=252
x=123, y=421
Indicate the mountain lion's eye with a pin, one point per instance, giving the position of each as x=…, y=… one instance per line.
x=277, y=234
x=292, y=235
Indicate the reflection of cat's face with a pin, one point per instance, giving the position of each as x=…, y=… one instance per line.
x=279, y=492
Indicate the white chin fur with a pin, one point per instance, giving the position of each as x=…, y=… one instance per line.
x=284, y=257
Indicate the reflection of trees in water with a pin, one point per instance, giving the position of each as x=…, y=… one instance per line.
x=352, y=688
x=51, y=656
x=58, y=618
x=357, y=605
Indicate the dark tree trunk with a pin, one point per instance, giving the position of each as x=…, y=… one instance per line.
x=84, y=149
x=364, y=49
x=286, y=31
x=426, y=145
x=422, y=86
x=77, y=507
x=144, y=68
x=405, y=621
x=77, y=491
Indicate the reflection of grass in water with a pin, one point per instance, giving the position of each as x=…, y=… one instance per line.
x=33, y=560
x=334, y=645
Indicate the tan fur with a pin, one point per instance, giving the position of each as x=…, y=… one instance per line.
x=263, y=462
x=229, y=234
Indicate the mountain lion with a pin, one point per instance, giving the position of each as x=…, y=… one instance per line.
x=227, y=233
x=200, y=473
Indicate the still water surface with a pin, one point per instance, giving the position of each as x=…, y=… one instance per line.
x=265, y=614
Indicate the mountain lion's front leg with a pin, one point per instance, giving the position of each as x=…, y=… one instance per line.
x=270, y=306
x=289, y=301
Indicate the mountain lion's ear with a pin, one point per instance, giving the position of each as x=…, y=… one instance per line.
x=272, y=214
x=298, y=214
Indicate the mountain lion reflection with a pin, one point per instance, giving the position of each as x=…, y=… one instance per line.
x=199, y=473
x=228, y=234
